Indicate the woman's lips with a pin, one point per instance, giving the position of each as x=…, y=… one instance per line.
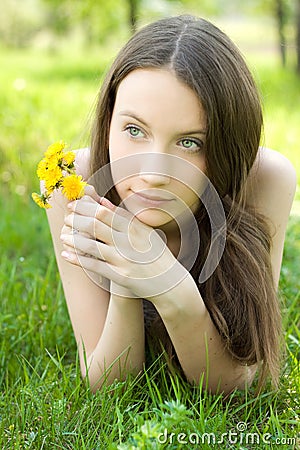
x=151, y=199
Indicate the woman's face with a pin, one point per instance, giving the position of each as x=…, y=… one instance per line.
x=159, y=126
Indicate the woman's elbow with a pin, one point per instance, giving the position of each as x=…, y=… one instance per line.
x=239, y=379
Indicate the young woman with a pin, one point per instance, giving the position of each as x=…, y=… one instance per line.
x=177, y=114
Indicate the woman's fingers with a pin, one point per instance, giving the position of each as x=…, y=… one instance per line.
x=90, y=191
x=66, y=230
x=69, y=249
x=88, y=226
x=117, y=219
x=97, y=267
x=86, y=246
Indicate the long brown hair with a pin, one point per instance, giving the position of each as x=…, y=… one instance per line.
x=240, y=295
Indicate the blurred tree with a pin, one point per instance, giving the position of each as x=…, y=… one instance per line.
x=57, y=16
x=287, y=15
x=101, y=19
x=97, y=18
x=288, y=11
x=19, y=22
x=133, y=13
x=280, y=10
x=281, y=17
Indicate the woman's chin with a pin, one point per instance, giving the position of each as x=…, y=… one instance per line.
x=154, y=218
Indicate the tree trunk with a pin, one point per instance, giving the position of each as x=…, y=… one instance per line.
x=298, y=35
x=133, y=4
x=281, y=16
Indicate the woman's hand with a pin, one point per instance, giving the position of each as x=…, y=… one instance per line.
x=110, y=242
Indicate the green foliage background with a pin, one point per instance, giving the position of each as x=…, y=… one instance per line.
x=47, y=92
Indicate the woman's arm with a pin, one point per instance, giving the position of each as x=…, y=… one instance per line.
x=87, y=303
x=120, y=349
x=198, y=345
x=104, y=327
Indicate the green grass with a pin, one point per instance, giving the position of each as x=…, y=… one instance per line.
x=44, y=404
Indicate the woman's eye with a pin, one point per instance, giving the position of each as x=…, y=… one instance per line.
x=134, y=131
x=191, y=144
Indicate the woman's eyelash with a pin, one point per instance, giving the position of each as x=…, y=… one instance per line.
x=185, y=143
x=133, y=130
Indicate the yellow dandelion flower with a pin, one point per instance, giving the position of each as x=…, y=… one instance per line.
x=40, y=200
x=53, y=177
x=73, y=186
x=68, y=158
x=42, y=169
x=57, y=170
x=55, y=149
x=53, y=161
x=48, y=170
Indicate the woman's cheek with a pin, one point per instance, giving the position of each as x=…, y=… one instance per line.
x=122, y=189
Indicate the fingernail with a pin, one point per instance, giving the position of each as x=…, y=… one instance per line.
x=65, y=255
x=70, y=205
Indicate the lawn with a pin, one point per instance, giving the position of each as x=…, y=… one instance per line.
x=43, y=402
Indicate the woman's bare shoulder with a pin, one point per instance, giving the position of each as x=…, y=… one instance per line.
x=272, y=162
x=271, y=179
x=270, y=189
x=82, y=162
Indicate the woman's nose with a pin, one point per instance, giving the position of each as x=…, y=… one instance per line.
x=155, y=169
x=154, y=179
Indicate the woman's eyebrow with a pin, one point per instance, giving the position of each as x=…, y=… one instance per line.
x=193, y=132
x=136, y=117
x=133, y=116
